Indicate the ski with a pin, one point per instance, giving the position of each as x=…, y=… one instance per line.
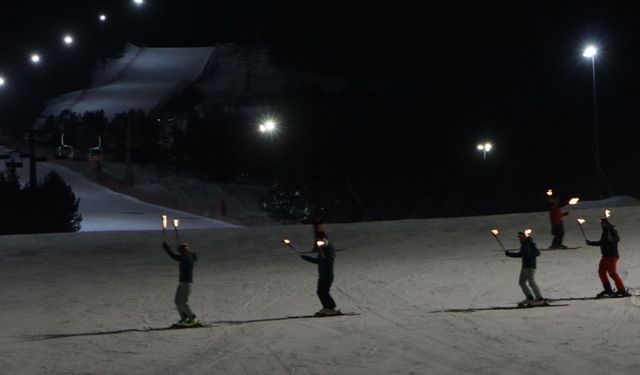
x=589, y=298
x=567, y=248
x=179, y=326
x=496, y=308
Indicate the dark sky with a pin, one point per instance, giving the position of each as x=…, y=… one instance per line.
x=476, y=53
x=513, y=73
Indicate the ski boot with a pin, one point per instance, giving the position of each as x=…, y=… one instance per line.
x=607, y=292
x=622, y=293
x=327, y=312
x=527, y=302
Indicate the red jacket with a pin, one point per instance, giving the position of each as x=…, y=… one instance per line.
x=555, y=214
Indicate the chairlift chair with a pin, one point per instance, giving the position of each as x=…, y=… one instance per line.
x=95, y=153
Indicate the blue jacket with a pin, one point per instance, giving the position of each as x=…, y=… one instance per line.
x=186, y=264
x=528, y=252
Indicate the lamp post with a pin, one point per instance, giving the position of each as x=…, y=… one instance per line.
x=590, y=52
x=486, y=147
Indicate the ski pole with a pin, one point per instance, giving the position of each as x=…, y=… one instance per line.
x=164, y=227
x=176, y=222
x=288, y=243
x=580, y=222
x=495, y=233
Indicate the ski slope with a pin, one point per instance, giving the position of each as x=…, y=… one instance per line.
x=143, y=78
x=90, y=302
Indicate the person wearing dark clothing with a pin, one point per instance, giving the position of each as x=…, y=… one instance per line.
x=609, y=249
x=528, y=252
x=557, y=226
x=187, y=260
x=325, y=260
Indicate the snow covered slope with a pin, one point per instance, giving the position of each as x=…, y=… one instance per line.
x=142, y=79
x=91, y=302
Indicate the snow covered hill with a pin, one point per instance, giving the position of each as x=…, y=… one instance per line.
x=143, y=78
x=90, y=302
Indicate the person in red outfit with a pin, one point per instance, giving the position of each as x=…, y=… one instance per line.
x=609, y=248
x=557, y=226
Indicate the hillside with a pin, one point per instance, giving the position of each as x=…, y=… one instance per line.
x=89, y=302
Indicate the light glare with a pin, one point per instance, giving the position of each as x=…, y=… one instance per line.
x=102, y=17
x=574, y=200
x=2, y=81
x=590, y=52
x=35, y=58
x=68, y=39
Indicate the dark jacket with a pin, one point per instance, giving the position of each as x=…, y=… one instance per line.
x=324, y=260
x=608, y=242
x=528, y=252
x=186, y=263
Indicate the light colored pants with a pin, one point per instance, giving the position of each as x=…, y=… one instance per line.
x=528, y=276
x=182, y=301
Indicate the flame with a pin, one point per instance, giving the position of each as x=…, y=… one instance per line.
x=164, y=221
x=286, y=241
x=607, y=213
x=527, y=232
x=320, y=243
x=581, y=221
x=176, y=222
x=549, y=192
x=574, y=200
x=495, y=232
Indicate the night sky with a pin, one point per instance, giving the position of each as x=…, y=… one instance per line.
x=512, y=74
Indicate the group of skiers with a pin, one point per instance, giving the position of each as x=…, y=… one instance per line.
x=325, y=257
x=607, y=267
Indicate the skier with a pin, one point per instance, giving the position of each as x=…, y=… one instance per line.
x=609, y=248
x=325, y=260
x=557, y=226
x=528, y=252
x=186, y=259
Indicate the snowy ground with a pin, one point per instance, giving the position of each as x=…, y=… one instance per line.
x=89, y=303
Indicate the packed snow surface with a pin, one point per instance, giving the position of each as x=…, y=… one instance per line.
x=97, y=302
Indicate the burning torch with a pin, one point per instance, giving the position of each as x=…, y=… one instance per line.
x=164, y=227
x=495, y=234
x=580, y=222
x=550, y=193
x=288, y=243
x=607, y=213
x=176, y=223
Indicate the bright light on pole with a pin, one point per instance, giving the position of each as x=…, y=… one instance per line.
x=590, y=52
x=486, y=147
x=67, y=39
x=268, y=126
x=36, y=58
